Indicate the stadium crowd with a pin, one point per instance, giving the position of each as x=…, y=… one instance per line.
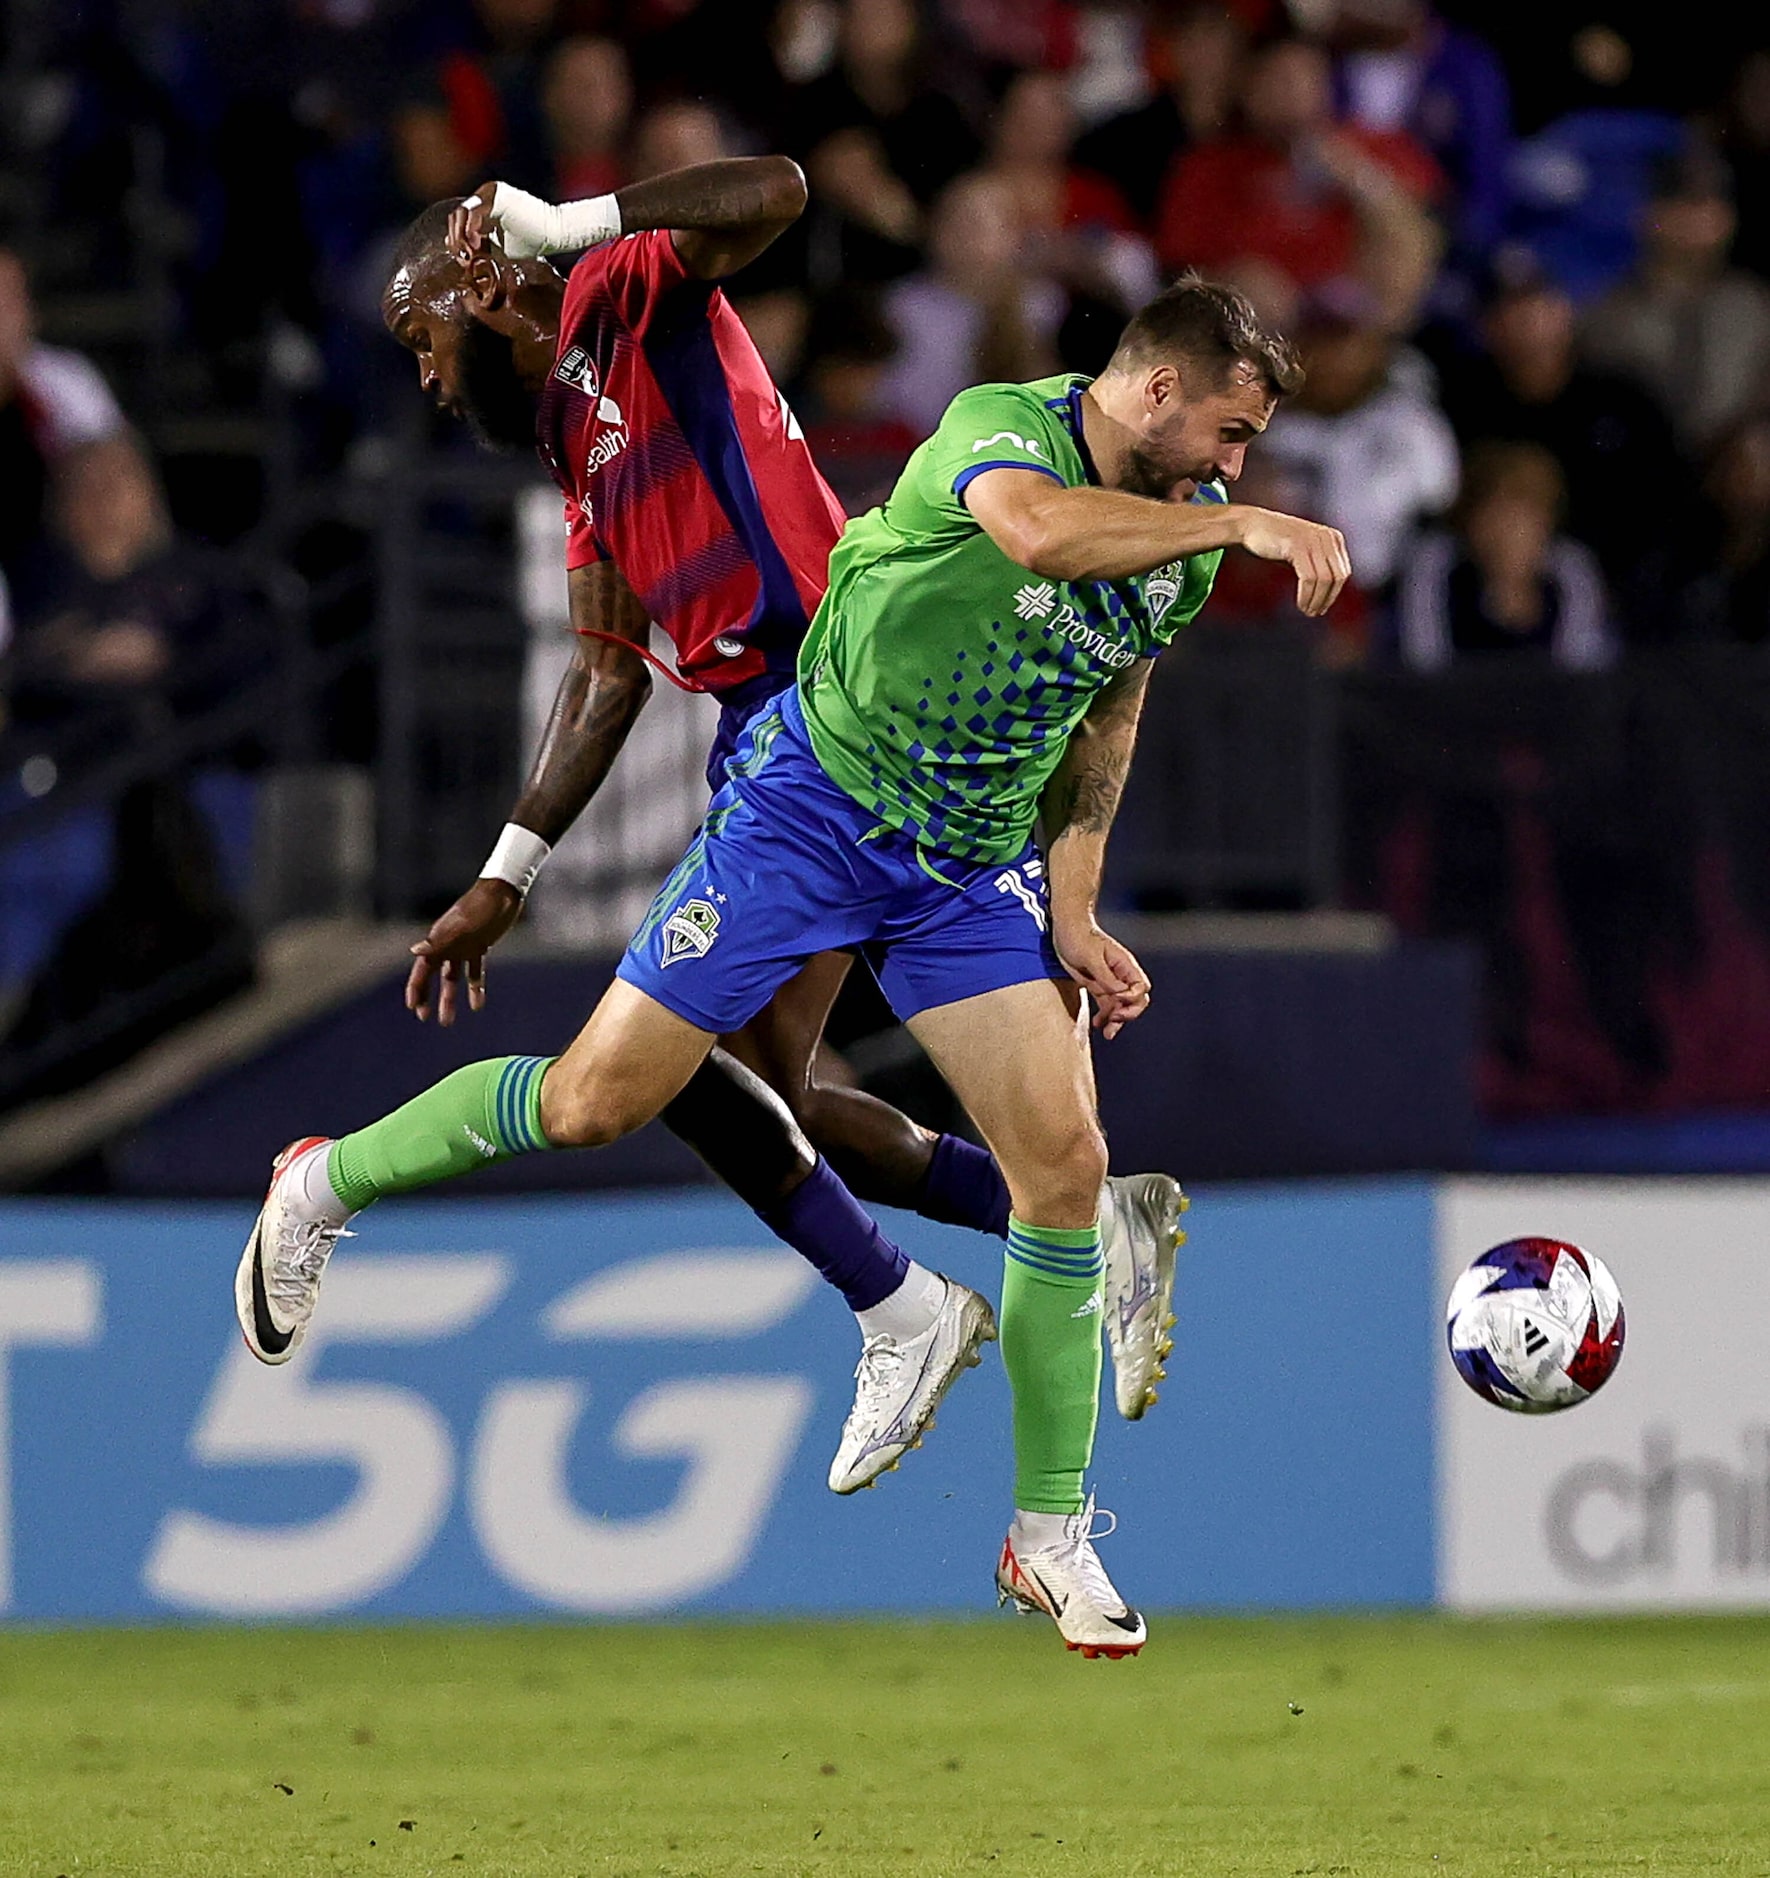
x=1481, y=233
x=1526, y=256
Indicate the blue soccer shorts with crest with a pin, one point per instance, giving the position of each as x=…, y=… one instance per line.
x=788, y=865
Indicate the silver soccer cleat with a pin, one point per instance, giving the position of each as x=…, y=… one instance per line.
x=1139, y=1236
x=899, y=1385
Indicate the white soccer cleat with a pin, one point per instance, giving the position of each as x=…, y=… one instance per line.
x=899, y=1384
x=278, y=1281
x=1139, y=1235
x=1069, y=1584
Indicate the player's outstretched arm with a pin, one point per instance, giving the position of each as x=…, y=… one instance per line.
x=1077, y=811
x=597, y=702
x=1067, y=533
x=720, y=215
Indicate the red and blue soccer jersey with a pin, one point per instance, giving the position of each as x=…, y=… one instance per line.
x=681, y=463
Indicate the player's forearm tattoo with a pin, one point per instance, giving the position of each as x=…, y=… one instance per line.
x=593, y=710
x=1088, y=797
x=1084, y=794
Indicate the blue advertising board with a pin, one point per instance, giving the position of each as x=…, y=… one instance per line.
x=627, y=1406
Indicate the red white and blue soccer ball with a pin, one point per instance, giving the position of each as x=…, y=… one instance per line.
x=1535, y=1325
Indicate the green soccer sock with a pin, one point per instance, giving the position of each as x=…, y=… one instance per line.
x=1050, y=1334
x=485, y=1112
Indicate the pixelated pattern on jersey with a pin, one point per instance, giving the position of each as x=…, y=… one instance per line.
x=943, y=680
x=1029, y=688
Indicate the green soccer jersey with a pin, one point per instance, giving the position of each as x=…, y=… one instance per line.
x=941, y=681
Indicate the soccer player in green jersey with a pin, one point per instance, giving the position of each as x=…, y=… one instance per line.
x=936, y=792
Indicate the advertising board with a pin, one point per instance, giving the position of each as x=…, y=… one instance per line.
x=1656, y=1492
x=627, y=1408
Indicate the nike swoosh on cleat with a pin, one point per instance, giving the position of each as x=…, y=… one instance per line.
x=1130, y=1620
x=270, y=1339
x=1051, y=1598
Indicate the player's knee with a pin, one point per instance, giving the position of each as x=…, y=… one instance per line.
x=1065, y=1177
x=816, y=1111
x=578, y=1115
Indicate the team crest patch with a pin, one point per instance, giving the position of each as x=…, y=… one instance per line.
x=578, y=369
x=689, y=932
x=1162, y=588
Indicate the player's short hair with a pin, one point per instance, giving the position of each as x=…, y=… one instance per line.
x=1207, y=323
x=422, y=238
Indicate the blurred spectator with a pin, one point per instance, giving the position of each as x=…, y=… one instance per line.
x=975, y=314
x=880, y=141
x=679, y=132
x=1019, y=34
x=129, y=633
x=1579, y=186
x=1405, y=68
x=674, y=134
x=1686, y=326
x=1613, y=443
x=588, y=98
x=1726, y=592
x=1076, y=230
x=164, y=943
x=1744, y=132
x=1030, y=134
x=51, y=402
x=476, y=112
x=1504, y=578
x=840, y=399
x=1197, y=50
x=1364, y=445
x=1298, y=191
x=1109, y=71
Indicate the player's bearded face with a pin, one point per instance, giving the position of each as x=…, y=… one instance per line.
x=498, y=406
x=1191, y=443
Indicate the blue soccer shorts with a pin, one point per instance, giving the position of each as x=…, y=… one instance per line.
x=788, y=865
x=736, y=708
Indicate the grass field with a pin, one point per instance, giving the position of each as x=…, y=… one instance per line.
x=1284, y=1747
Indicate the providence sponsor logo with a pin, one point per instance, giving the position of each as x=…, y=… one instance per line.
x=1619, y=1522
x=1093, y=641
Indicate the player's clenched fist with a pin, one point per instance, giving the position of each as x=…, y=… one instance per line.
x=1315, y=553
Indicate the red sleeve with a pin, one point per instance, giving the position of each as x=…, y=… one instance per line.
x=582, y=549
x=637, y=271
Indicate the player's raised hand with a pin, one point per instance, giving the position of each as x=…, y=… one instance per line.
x=1108, y=972
x=453, y=953
x=1316, y=554
x=471, y=221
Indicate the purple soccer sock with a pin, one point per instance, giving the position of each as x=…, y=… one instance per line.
x=964, y=1187
x=823, y=1222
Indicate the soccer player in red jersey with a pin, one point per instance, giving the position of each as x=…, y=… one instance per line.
x=692, y=501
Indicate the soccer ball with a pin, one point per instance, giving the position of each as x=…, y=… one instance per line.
x=1535, y=1325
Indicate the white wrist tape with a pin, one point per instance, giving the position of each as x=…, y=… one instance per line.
x=529, y=226
x=517, y=859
